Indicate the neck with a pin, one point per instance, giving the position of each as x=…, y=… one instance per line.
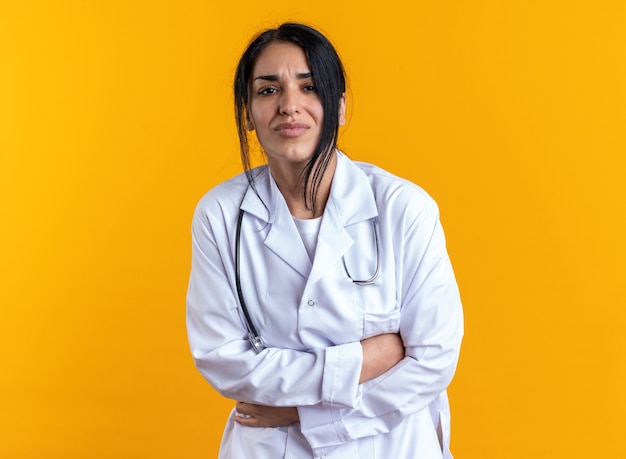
x=288, y=178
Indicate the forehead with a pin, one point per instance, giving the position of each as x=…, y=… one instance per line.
x=280, y=57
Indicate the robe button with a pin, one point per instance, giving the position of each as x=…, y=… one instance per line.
x=311, y=303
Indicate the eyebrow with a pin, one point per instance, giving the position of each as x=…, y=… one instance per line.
x=299, y=76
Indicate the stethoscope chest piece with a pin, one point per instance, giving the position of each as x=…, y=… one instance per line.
x=257, y=342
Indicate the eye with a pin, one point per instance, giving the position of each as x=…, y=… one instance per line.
x=266, y=91
x=310, y=88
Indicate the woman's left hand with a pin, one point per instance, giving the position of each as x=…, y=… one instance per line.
x=252, y=415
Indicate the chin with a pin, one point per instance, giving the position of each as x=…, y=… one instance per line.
x=291, y=156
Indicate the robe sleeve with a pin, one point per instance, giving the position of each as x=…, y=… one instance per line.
x=220, y=347
x=431, y=327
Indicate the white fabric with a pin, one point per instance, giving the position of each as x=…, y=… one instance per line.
x=313, y=317
x=309, y=230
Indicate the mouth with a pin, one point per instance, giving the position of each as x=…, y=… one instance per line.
x=291, y=129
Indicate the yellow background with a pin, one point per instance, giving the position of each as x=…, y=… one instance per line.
x=116, y=117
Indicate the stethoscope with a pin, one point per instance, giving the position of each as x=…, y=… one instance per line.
x=253, y=335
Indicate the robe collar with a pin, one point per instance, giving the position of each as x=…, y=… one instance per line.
x=351, y=198
x=351, y=201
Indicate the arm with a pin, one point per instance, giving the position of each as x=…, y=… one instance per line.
x=431, y=327
x=219, y=343
x=380, y=354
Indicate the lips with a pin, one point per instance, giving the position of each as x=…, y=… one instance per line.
x=291, y=129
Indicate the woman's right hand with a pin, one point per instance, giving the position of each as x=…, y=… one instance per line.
x=380, y=354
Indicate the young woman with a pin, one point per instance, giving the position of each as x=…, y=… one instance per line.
x=321, y=295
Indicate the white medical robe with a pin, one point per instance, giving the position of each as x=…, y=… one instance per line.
x=312, y=317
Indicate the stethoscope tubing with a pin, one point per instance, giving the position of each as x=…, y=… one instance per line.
x=253, y=335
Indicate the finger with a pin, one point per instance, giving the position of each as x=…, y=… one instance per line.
x=243, y=408
x=248, y=422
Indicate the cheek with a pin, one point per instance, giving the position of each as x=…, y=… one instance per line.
x=318, y=114
x=258, y=113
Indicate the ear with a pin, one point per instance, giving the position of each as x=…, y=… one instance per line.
x=342, y=110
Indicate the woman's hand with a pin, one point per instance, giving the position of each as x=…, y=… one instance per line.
x=251, y=415
x=380, y=354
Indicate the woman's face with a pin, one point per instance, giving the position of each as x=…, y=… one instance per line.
x=284, y=108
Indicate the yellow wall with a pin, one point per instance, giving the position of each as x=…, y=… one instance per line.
x=115, y=117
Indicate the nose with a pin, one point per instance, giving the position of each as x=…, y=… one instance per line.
x=289, y=102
